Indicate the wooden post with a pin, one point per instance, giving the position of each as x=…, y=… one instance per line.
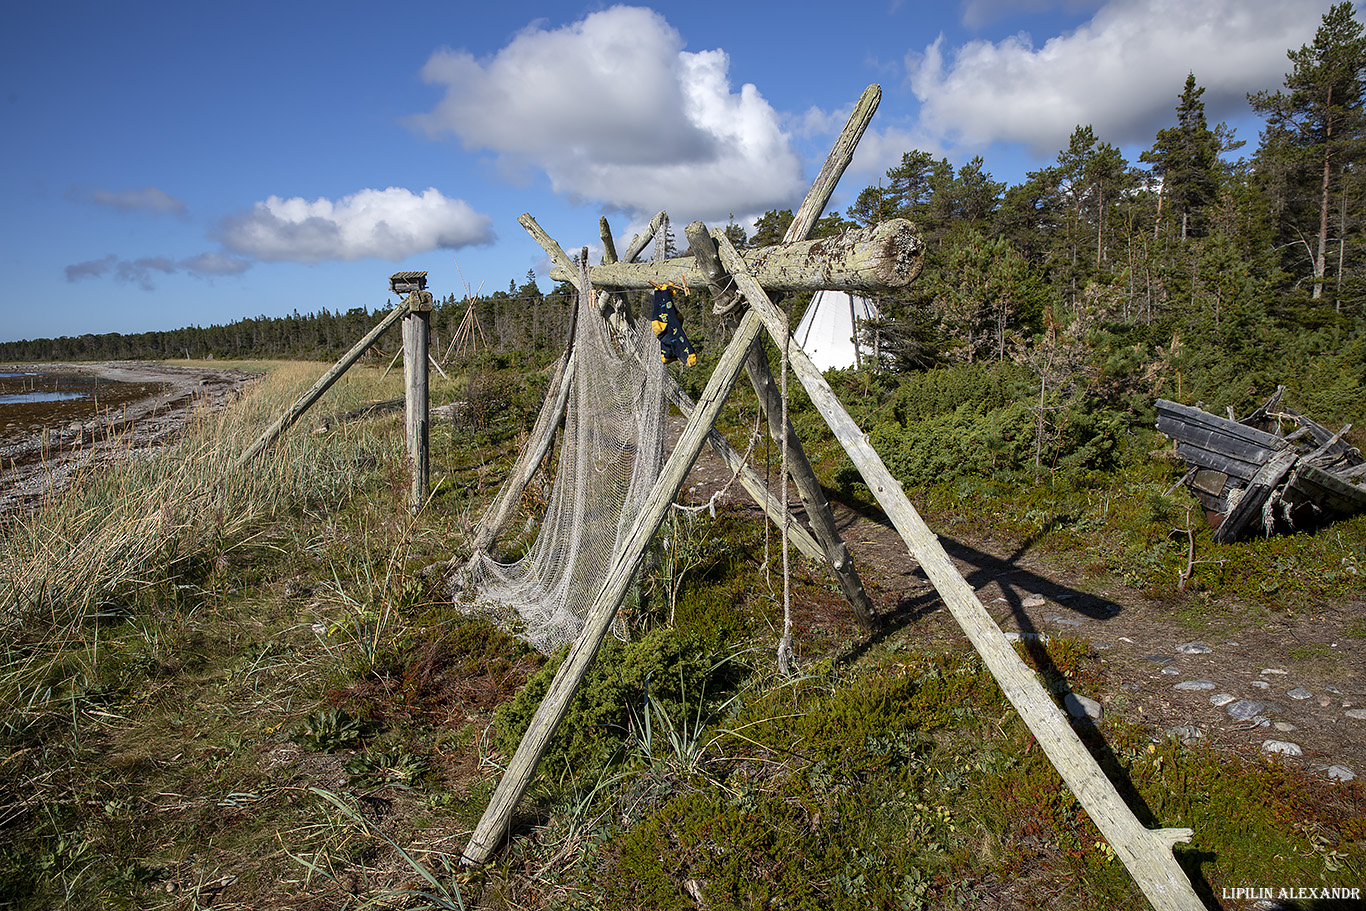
x=416, y=335
x=305, y=401
x=1147, y=853
x=493, y=825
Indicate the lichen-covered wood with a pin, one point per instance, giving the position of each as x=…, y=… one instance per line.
x=884, y=257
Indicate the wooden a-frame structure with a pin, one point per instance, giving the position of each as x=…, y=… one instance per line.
x=1147, y=853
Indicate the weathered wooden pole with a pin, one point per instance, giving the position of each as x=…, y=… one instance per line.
x=305, y=401
x=1147, y=853
x=416, y=336
x=860, y=259
x=493, y=825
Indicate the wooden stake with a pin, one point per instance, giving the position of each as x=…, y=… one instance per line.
x=493, y=826
x=1147, y=853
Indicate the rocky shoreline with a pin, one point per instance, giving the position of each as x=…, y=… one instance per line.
x=36, y=461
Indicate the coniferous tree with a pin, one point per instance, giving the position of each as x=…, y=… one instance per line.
x=1185, y=159
x=1313, y=135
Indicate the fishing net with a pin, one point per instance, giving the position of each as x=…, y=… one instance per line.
x=610, y=454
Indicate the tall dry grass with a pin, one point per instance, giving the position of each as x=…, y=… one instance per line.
x=138, y=534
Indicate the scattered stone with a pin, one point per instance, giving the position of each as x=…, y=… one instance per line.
x=1300, y=693
x=1332, y=689
x=1158, y=659
x=1284, y=747
x=1247, y=709
x=1325, y=701
x=1230, y=642
x=1034, y=601
x=1081, y=707
x=1261, y=684
x=1013, y=636
x=1171, y=670
x=1185, y=732
x=1220, y=699
x=1274, y=670
x=1359, y=714
x=1341, y=773
x=1194, y=648
x=1063, y=621
x=1194, y=685
x=1102, y=645
x=1284, y=727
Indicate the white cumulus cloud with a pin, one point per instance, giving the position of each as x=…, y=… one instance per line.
x=388, y=224
x=612, y=108
x=1120, y=72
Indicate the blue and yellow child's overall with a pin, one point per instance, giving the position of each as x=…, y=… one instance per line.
x=673, y=343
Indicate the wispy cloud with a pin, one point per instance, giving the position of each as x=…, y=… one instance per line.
x=143, y=271
x=388, y=224
x=611, y=108
x=151, y=200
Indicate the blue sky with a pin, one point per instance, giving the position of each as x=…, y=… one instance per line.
x=173, y=164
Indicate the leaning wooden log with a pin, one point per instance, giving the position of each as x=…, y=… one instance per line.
x=493, y=825
x=803, y=476
x=1147, y=853
x=884, y=257
x=754, y=485
x=305, y=401
x=538, y=444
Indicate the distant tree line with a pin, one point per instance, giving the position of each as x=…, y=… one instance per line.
x=519, y=319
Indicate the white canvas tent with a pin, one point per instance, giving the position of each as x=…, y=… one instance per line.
x=828, y=332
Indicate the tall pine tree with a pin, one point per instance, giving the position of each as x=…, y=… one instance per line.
x=1313, y=132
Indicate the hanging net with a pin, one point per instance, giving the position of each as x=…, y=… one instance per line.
x=611, y=452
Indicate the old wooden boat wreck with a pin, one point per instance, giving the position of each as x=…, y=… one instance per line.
x=1251, y=475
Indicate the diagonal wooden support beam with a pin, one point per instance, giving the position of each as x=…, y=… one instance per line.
x=305, y=401
x=493, y=825
x=799, y=467
x=1147, y=853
